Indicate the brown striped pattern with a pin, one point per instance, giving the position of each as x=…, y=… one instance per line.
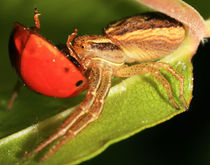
x=99, y=48
x=147, y=37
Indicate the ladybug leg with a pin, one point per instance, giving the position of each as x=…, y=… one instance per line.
x=93, y=115
x=153, y=68
x=36, y=19
x=14, y=94
x=85, y=106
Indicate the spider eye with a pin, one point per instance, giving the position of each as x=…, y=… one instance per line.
x=82, y=47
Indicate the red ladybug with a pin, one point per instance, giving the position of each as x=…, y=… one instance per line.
x=42, y=66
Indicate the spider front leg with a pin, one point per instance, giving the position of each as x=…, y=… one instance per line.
x=98, y=89
x=91, y=116
x=153, y=68
x=94, y=82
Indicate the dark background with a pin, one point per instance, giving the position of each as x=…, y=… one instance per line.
x=182, y=140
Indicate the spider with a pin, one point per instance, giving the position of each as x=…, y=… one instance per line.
x=138, y=41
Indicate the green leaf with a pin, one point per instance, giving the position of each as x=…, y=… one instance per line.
x=133, y=104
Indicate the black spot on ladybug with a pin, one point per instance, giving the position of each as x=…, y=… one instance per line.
x=66, y=69
x=79, y=83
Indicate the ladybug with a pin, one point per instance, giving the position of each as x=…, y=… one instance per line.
x=42, y=66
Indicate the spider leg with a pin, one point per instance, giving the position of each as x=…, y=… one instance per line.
x=73, y=53
x=84, y=107
x=69, y=44
x=152, y=68
x=177, y=75
x=93, y=114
